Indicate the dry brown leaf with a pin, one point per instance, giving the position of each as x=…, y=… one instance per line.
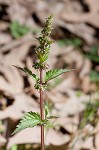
x=86, y=84
x=56, y=51
x=17, y=12
x=88, y=144
x=25, y=40
x=67, y=105
x=55, y=7
x=5, y=38
x=90, y=17
x=55, y=138
x=23, y=103
x=70, y=82
x=9, y=74
x=93, y=5
x=8, y=82
x=17, y=55
x=3, y=102
x=55, y=96
x=21, y=11
x=97, y=141
x=73, y=105
x=74, y=57
x=5, y=2
x=80, y=29
x=25, y=136
x=3, y=25
x=69, y=124
x=84, y=76
x=2, y=140
x=86, y=68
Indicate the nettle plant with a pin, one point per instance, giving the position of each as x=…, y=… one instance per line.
x=31, y=119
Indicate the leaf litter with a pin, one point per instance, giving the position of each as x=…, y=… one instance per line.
x=72, y=92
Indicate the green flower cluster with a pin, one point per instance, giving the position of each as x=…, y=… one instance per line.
x=44, y=44
x=39, y=86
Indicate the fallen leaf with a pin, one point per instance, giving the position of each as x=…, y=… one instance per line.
x=2, y=140
x=73, y=105
x=86, y=68
x=97, y=141
x=23, y=103
x=88, y=144
x=8, y=82
x=89, y=17
x=52, y=137
x=5, y=38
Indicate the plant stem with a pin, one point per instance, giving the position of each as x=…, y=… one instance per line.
x=41, y=109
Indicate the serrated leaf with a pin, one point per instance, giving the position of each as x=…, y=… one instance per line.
x=28, y=72
x=30, y=120
x=53, y=73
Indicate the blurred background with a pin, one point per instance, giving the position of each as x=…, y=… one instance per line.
x=74, y=96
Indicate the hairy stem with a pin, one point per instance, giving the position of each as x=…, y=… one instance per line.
x=41, y=109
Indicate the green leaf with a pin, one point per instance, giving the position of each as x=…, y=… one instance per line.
x=94, y=76
x=14, y=147
x=90, y=113
x=48, y=108
x=18, y=30
x=94, y=58
x=28, y=72
x=53, y=73
x=93, y=54
x=94, y=50
x=76, y=42
x=30, y=120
